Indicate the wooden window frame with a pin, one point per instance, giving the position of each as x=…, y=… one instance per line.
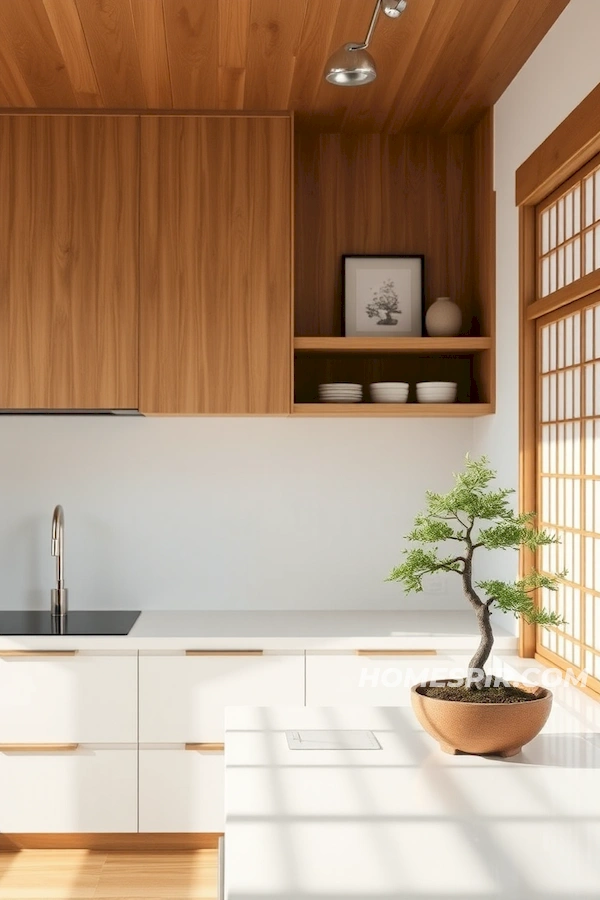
x=572, y=146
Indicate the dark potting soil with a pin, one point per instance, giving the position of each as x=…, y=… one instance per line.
x=502, y=693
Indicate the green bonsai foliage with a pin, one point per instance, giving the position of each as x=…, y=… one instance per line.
x=476, y=518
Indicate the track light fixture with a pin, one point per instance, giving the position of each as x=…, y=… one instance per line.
x=352, y=65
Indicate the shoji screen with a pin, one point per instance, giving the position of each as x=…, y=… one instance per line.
x=569, y=477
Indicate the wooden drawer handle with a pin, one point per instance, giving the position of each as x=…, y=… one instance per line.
x=37, y=748
x=52, y=653
x=206, y=747
x=396, y=652
x=223, y=652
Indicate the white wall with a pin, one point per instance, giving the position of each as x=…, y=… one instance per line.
x=564, y=68
x=219, y=513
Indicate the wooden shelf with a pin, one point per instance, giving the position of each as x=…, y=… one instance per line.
x=397, y=410
x=423, y=345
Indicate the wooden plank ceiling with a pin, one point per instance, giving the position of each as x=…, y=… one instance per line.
x=440, y=65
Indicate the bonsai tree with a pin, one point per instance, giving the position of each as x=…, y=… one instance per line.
x=384, y=300
x=477, y=518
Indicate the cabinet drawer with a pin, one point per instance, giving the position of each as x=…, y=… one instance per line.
x=345, y=678
x=84, y=699
x=182, y=698
x=89, y=789
x=181, y=790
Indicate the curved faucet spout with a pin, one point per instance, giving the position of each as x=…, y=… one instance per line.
x=58, y=605
x=58, y=543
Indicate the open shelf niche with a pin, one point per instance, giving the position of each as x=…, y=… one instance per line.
x=397, y=194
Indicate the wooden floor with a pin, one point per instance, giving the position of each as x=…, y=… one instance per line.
x=90, y=875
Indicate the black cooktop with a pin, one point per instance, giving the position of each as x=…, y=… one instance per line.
x=78, y=622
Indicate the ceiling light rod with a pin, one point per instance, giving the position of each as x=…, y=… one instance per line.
x=351, y=65
x=393, y=10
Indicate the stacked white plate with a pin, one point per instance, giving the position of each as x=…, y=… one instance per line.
x=340, y=392
x=389, y=392
x=436, y=391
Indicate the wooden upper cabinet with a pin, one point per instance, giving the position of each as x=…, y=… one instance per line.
x=69, y=215
x=215, y=276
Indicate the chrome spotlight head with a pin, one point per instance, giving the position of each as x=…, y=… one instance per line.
x=350, y=66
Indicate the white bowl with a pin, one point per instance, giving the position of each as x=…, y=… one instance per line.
x=436, y=395
x=436, y=384
x=390, y=384
x=341, y=384
x=389, y=395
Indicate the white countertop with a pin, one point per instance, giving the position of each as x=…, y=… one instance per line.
x=281, y=630
x=408, y=822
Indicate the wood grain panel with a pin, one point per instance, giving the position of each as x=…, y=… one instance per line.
x=470, y=30
x=13, y=89
x=314, y=47
x=275, y=28
x=361, y=194
x=484, y=252
x=437, y=32
x=36, y=52
x=216, y=265
x=151, y=41
x=110, y=34
x=528, y=474
x=192, y=33
x=68, y=262
x=440, y=64
x=66, y=24
x=234, y=26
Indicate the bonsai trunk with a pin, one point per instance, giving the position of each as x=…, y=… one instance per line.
x=476, y=671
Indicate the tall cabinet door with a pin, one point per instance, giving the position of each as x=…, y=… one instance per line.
x=69, y=216
x=215, y=310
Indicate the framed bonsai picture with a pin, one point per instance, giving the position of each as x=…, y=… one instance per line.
x=382, y=296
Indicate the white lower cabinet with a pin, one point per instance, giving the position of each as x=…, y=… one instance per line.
x=336, y=679
x=183, y=697
x=89, y=789
x=181, y=790
x=85, y=698
x=182, y=701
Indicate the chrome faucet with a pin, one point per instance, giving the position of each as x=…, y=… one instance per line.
x=59, y=594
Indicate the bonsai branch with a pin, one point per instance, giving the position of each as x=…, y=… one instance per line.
x=488, y=521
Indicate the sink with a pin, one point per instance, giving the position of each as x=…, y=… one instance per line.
x=76, y=622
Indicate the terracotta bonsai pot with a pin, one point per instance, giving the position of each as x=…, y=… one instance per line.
x=498, y=728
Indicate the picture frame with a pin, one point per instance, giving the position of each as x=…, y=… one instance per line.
x=383, y=296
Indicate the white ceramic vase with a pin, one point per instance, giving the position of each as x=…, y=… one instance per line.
x=443, y=318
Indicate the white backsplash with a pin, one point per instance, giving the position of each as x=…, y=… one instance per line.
x=237, y=513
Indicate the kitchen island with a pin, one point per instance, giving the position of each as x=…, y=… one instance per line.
x=407, y=822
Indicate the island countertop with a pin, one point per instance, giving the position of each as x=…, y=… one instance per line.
x=408, y=822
